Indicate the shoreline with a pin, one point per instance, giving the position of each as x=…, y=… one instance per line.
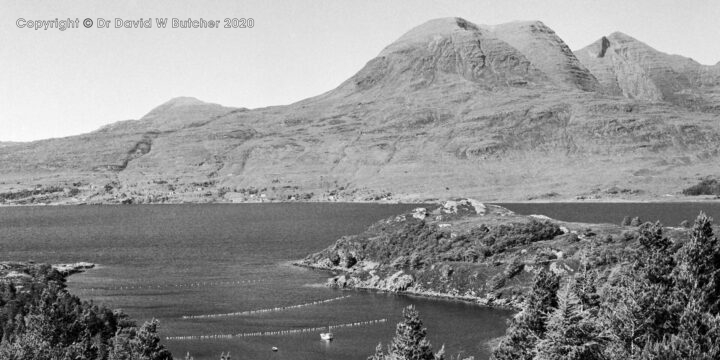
x=427, y=294
x=68, y=269
x=689, y=200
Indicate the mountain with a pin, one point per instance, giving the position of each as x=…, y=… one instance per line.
x=548, y=52
x=628, y=67
x=450, y=109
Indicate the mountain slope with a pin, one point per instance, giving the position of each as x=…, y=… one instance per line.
x=450, y=109
x=547, y=51
x=625, y=66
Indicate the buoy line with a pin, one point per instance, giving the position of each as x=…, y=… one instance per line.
x=275, y=332
x=192, y=285
x=262, y=311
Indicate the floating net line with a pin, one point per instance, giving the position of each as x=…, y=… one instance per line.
x=275, y=332
x=262, y=311
x=192, y=285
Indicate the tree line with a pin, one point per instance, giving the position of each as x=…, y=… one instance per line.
x=664, y=304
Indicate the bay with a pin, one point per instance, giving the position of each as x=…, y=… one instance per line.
x=170, y=261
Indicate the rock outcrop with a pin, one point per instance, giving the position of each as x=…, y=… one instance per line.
x=73, y=268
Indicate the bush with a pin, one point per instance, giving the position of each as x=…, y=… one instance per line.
x=704, y=187
x=570, y=238
x=625, y=221
x=513, y=268
x=496, y=282
x=508, y=236
x=628, y=236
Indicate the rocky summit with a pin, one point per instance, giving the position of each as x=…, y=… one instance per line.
x=505, y=112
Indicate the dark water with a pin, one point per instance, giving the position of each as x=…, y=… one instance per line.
x=670, y=214
x=174, y=260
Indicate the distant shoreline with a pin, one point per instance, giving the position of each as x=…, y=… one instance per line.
x=699, y=199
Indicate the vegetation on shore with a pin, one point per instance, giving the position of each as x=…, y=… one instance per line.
x=410, y=341
x=662, y=304
x=707, y=186
x=601, y=291
x=477, y=252
x=41, y=320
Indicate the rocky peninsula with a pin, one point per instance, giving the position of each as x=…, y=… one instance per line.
x=471, y=251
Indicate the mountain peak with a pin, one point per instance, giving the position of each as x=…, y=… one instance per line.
x=618, y=35
x=183, y=101
x=445, y=52
x=548, y=52
x=627, y=66
x=174, y=104
x=429, y=30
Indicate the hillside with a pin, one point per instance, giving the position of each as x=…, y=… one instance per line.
x=450, y=109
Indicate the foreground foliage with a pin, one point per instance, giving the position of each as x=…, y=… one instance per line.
x=40, y=320
x=410, y=341
x=664, y=304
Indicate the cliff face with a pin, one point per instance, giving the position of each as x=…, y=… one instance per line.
x=450, y=109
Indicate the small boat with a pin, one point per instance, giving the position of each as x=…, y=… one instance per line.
x=274, y=348
x=326, y=336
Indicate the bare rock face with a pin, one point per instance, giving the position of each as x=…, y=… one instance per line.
x=427, y=54
x=548, y=52
x=628, y=67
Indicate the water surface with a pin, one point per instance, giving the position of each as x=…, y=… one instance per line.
x=169, y=261
x=670, y=214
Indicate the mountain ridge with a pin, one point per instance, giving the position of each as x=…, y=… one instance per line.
x=450, y=109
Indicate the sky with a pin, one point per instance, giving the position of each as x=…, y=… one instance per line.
x=58, y=83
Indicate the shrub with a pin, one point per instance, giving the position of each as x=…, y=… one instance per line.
x=629, y=236
x=704, y=187
x=410, y=341
x=496, y=282
x=513, y=268
x=334, y=259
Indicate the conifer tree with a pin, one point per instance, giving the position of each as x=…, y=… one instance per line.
x=654, y=267
x=572, y=333
x=585, y=288
x=528, y=327
x=410, y=342
x=698, y=337
x=623, y=315
x=147, y=343
x=699, y=266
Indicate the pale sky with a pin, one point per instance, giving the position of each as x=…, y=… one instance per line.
x=58, y=83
